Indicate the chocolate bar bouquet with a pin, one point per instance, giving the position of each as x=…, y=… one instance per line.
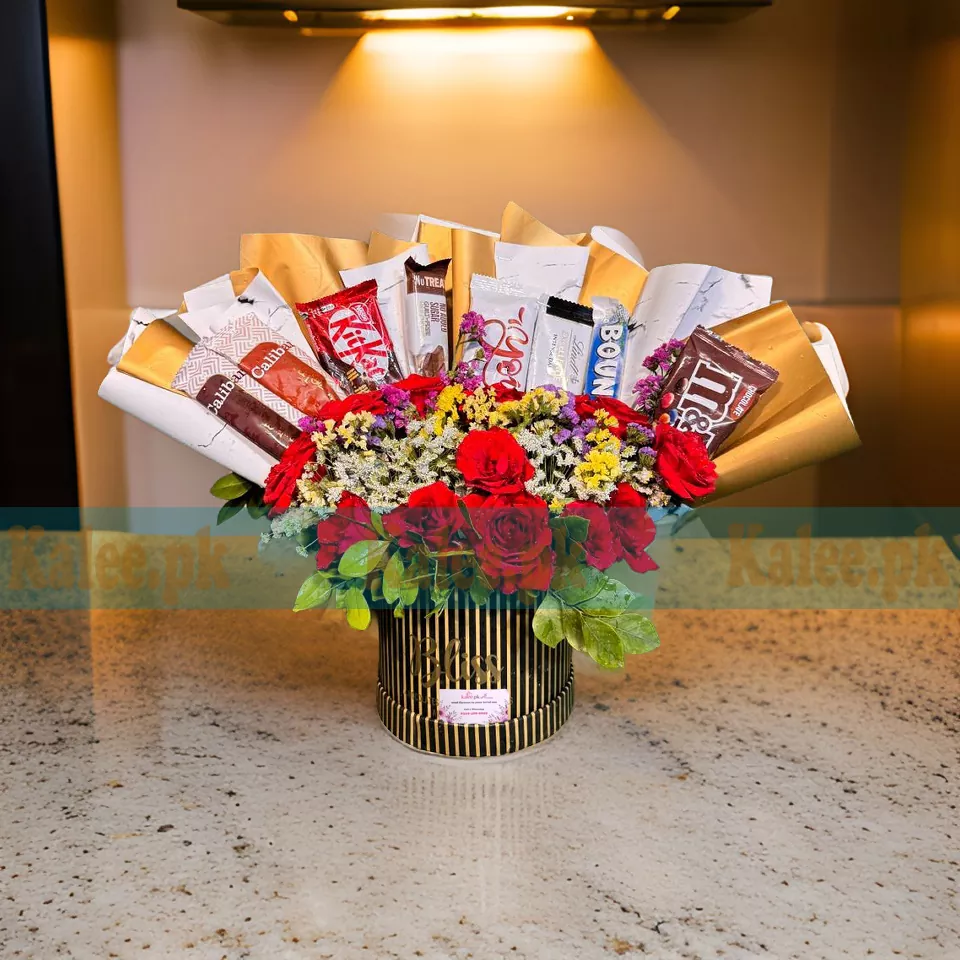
x=473, y=474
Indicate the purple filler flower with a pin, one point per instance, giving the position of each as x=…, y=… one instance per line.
x=472, y=326
x=662, y=358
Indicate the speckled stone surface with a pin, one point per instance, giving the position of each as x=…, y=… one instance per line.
x=217, y=785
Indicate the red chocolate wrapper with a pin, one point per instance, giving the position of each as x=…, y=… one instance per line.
x=711, y=387
x=350, y=336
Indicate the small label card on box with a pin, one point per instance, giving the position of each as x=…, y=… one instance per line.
x=474, y=706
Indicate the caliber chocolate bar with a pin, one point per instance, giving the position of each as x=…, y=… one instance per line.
x=605, y=366
x=276, y=364
x=425, y=317
x=510, y=312
x=561, y=345
x=711, y=387
x=214, y=382
x=350, y=338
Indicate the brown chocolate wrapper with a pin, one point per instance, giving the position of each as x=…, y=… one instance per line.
x=801, y=419
x=426, y=325
x=711, y=387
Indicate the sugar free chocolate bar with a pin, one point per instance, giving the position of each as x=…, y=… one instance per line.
x=711, y=387
x=425, y=317
x=350, y=338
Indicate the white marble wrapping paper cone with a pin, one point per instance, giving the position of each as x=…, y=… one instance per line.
x=678, y=297
x=554, y=271
x=187, y=422
x=391, y=287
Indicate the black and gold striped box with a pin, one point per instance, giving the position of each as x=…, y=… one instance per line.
x=471, y=648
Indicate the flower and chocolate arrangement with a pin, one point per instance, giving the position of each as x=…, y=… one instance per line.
x=459, y=413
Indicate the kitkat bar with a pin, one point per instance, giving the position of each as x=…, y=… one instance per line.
x=711, y=387
x=350, y=338
x=280, y=367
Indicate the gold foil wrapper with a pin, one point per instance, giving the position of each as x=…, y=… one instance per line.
x=383, y=247
x=611, y=275
x=301, y=267
x=798, y=422
x=472, y=253
x=518, y=226
x=156, y=355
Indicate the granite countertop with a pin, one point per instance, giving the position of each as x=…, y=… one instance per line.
x=216, y=784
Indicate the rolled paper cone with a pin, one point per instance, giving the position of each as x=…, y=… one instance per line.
x=801, y=419
x=472, y=253
x=156, y=355
x=301, y=267
x=611, y=275
x=187, y=422
x=812, y=330
x=383, y=247
x=518, y=226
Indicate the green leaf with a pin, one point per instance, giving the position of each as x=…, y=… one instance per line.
x=602, y=642
x=392, y=578
x=376, y=521
x=314, y=592
x=578, y=585
x=230, y=509
x=362, y=558
x=257, y=510
x=611, y=599
x=230, y=487
x=480, y=591
x=547, y=621
x=409, y=590
x=576, y=528
x=376, y=587
x=358, y=611
x=637, y=632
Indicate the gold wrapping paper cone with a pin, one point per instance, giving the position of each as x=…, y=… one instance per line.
x=518, y=226
x=798, y=422
x=156, y=355
x=383, y=247
x=611, y=275
x=439, y=241
x=472, y=253
x=301, y=267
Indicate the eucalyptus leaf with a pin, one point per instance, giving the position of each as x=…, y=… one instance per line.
x=314, y=592
x=362, y=558
x=230, y=487
x=637, y=632
x=358, y=611
x=230, y=509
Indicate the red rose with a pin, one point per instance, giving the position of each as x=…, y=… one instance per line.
x=683, y=462
x=369, y=401
x=586, y=406
x=503, y=393
x=492, y=460
x=632, y=527
x=349, y=525
x=514, y=542
x=282, y=479
x=421, y=389
x=432, y=515
x=600, y=548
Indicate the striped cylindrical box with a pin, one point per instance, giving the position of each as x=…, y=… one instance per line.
x=470, y=647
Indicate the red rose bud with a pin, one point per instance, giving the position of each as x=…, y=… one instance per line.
x=587, y=406
x=632, y=527
x=370, y=401
x=493, y=461
x=282, y=480
x=341, y=530
x=421, y=389
x=514, y=539
x=683, y=462
x=432, y=516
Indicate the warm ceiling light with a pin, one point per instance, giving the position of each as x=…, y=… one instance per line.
x=290, y=15
x=670, y=13
x=461, y=13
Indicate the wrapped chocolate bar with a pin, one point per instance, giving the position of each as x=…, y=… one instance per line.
x=279, y=366
x=390, y=276
x=349, y=337
x=711, y=387
x=510, y=311
x=215, y=382
x=561, y=345
x=605, y=366
x=554, y=271
x=425, y=317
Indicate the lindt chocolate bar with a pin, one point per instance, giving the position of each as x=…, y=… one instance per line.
x=510, y=312
x=276, y=364
x=561, y=345
x=425, y=317
x=711, y=387
x=214, y=382
x=350, y=338
x=605, y=367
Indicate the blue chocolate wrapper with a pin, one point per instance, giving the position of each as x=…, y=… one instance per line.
x=610, y=328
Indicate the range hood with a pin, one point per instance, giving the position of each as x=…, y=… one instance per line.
x=316, y=17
